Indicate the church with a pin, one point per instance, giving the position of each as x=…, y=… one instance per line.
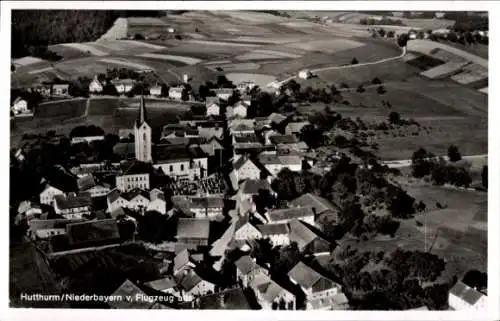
x=176, y=161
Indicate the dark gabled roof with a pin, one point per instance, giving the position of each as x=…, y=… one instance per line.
x=170, y=153
x=246, y=264
x=196, y=152
x=86, y=182
x=193, y=228
x=134, y=168
x=276, y=118
x=113, y=195
x=181, y=259
x=242, y=221
x=246, y=138
x=319, y=203
x=301, y=234
x=162, y=284
x=232, y=299
x=128, y=289
x=283, y=139
x=466, y=293
x=241, y=161
x=189, y=280
x=252, y=186
x=93, y=231
x=64, y=202
x=308, y=278
x=41, y=224
x=273, y=229
x=290, y=213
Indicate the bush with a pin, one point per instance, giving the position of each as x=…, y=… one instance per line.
x=360, y=89
x=354, y=61
x=178, y=37
x=394, y=118
x=390, y=34
x=454, y=154
x=381, y=90
x=138, y=36
x=376, y=81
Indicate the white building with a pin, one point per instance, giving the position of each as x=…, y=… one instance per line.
x=247, y=270
x=223, y=93
x=213, y=107
x=19, y=106
x=155, y=91
x=96, y=86
x=270, y=295
x=123, y=86
x=245, y=230
x=192, y=285
x=278, y=234
x=305, y=74
x=181, y=163
x=86, y=139
x=72, y=207
x=128, y=182
x=243, y=168
x=176, y=93
x=239, y=110
x=48, y=194
x=463, y=297
x=274, y=163
x=137, y=200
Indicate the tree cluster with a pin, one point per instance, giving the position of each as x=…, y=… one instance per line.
x=384, y=21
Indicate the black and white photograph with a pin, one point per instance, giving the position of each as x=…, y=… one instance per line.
x=272, y=160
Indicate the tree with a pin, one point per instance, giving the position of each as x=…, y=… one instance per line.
x=476, y=279
x=178, y=37
x=354, y=61
x=394, y=118
x=484, y=176
x=381, y=90
x=376, y=81
x=360, y=89
x=381, y=32
x=454, y=154
x=469, y=38
x=138, y=36
x=390, y=34
x=403, y=39
x=452, y=36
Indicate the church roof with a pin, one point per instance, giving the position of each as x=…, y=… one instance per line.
x=142, y=117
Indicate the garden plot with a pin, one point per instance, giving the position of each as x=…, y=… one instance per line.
x=260, y=80
x=185, y=60
x=445, y=70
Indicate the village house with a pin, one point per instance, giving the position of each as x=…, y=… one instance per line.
x=251, y=187
x=60, y=90
x=320, y=205
x=278, y=234
x=179, y=130
x=86, y=139
x=307, y=240
x=48, y=194
x=207, y=207
x=271, y=296
x=192, y=285
x=123, y=86
x=213, y=106
x=72, y=207
x=247, y=270
x=463, y=297
x=193, y=231
x=314, y=285
x=155, y=91
x=238, y=111
x=211, y=131
x=96, y=86
x=87, y=184
x=137, y=200
x=299, y=147
x=305, y=74
x=43, y=229
x=166, y=285
x=181, y=163
x=285, y=215
x=92, y=233
x=223, y=93
x=295, y=128
x=135, y=175
x=182, y=262
x=176, y=92
x=243, y=168
x=212, y=147
x=274, y=163
x=19, y=106
x=127, y=288
x=28, y=210
x=246, y=143
x=245, y=86
x=245, y=230
x=241, y=126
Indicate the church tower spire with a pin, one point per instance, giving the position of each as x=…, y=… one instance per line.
x=142, y=133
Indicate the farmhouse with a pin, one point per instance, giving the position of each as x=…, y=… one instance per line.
x=42, y=229
x=213, y=106
x=155, y=91
x=72, y=207
x=28, y=210
x=245, y=86
x=87, y=184
x=305, y=74
x=93, y=232
x=285, y=215
x=295, y=128
x=127, y=288
x=48, y=194
x=251, y=187
x=209, y=207
x=193, y=231
x=245, y=230
x=192, y=285
x=320, y=205
x=19, y=106
x=176, y=93
x=223, y=93
x=274, y=163
x=241, y=126
x=238, y=111
x=209, y=132
x=276, y=233
x=60, y=90
x=244, y=168
x=137, y=200
x=314, y=285
x=248, y=270
x=463, y=297
x=123, y=86
x=165, y=285
x=307, y=240
x=96, y=86
x=270, y=295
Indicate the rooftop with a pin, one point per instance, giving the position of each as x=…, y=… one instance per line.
x=193, y=228
x=162, y=284
x=466, y=293
x=64, y=202
x=93, y=231
x=128, y=289
x=290, y=213
x=309, y=278
x=274, y=229
x=232, y=299
x=320, y=204
x=252, y=186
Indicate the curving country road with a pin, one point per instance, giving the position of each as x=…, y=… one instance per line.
x=336, y=67
x=407, y=162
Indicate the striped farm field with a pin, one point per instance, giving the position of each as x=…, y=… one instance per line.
x=426, y=46
x=69, y=108
x=86, y=47
x=237, y=66
x=327, y=46
x=445, y=70
x=260, y=54
x=183, y=59
x=126, y=63
x=103, y=105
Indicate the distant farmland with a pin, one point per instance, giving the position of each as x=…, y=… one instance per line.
x=62, y=109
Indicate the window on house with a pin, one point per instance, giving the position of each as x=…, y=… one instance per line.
x=182, y=167
x=171, y=168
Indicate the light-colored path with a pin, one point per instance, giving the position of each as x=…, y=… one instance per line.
x=336, y=67
x=407, y=162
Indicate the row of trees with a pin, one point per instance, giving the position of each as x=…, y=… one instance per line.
x=383, y=21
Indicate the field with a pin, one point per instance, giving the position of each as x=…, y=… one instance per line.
x=330, y=46
x=64, y=109
x=427, y=46
x=260, y=80
x=457, y=234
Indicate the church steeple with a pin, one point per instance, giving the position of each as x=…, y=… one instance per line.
x=142, y=113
